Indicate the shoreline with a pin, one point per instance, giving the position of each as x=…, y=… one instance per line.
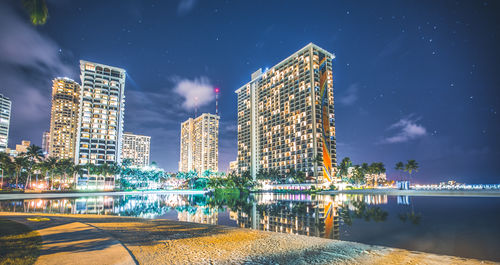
x=21, y=196
x=154, y=241
x=395, y=192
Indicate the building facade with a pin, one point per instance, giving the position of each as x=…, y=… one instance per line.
x=5, y=107
x=233, y=167
x=20, y=148
x=286, y=117
x=101, y=114
x=200, y=144
x=45, y=143
x=64, y=117
x=136, y=148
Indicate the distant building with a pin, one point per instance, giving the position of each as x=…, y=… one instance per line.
x=136, y=148
x=20, y=148
x=64, y=117
x=286, y=117
x=233, y=167
x=23, y=147
x=46, y=143
x=200, y=144
x=5, y=108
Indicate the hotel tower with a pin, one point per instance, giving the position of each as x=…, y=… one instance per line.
x=63, y=118
x=286, y=117
x=136, y=148
x=101, y=114
x=200, y=144
x=5, y=106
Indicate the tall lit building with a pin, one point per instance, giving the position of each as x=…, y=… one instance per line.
x=45, y=143
x=286, y=117
x=200, y=144
x=101, y=114
x=64, y=117
x=136, y=148
x=5, y=106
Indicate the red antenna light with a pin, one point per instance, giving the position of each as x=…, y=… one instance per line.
x=216, y=101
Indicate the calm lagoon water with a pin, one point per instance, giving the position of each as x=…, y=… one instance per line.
x=459, y=226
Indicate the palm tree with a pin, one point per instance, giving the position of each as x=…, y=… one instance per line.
x=77, y=171
x=20, y=163
x=400, y=166
x=344, y=166
x=65, y=168
x=38, y=11
x=34, y=154
x=5, y=165
x=51, y=166
x=411, y=166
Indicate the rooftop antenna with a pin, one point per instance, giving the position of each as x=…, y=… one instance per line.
x=217, y=101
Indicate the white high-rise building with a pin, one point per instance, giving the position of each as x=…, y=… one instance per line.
x=5, y=107
x=101, y=115
x=200, y=144
x=136, y=148
x=286, y=117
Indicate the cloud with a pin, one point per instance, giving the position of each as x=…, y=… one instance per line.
x=185, y=6
x=408, y=129
x=195, y=93
x=23, y=46
x=350, y=96
x=29, y=60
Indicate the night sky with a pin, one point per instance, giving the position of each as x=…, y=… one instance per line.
x=413, y=79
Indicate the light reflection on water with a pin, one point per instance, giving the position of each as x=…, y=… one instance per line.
x=454, y=226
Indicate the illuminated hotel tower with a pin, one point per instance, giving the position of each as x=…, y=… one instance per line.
x=63, y=118
x=200, y=144
x=136, y=148
x=5, y=107
x=101, y=108
x=286, y=117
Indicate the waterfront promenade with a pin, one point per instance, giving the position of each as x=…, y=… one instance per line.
x=93, y=239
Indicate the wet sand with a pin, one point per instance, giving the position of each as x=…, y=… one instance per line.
x=172, y=242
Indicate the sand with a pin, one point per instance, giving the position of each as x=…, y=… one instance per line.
x=171, y=242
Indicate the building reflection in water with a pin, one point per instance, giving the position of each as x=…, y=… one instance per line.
x=300, y=214
x=303, y=214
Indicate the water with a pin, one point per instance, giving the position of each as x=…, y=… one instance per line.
x=459, y=226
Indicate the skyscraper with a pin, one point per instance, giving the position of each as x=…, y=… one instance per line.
x=286, y=117
x=5, y=106
x=64, y=118
x=101, y=114
x=136, y=148
x=200, y=144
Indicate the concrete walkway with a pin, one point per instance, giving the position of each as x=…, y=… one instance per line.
x=70, y=242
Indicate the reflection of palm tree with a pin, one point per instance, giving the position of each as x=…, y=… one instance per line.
x=412, y=216
x=362, y=211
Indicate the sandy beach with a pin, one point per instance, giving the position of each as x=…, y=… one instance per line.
x=172, y=242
